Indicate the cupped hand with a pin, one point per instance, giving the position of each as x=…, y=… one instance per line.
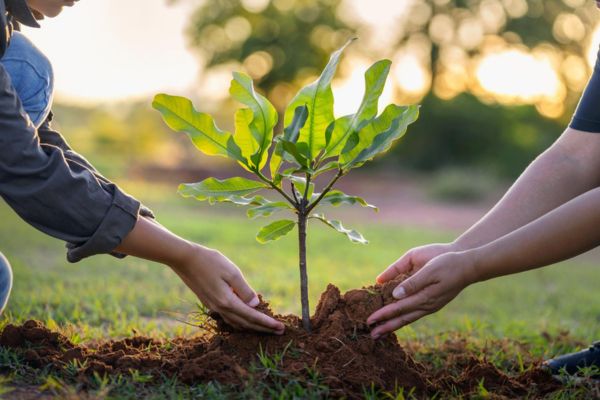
x=427, y=291
x=220, y=286
x=414, y=259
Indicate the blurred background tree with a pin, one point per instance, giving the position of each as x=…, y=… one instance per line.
x=498, y=79
x=277, y=42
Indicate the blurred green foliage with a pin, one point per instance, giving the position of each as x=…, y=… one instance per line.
x=460, y=185
x=118, y=137
x=279, y=39
x=466, y=133
x=281, y=42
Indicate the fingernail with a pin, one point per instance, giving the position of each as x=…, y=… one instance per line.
x=399, y=292
x=376, y=336
x=371, y=322
x=254, y=302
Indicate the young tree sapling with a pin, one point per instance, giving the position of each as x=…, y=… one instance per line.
x=313, y=142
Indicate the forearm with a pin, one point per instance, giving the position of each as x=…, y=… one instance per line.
x=564, y=232
x=566, y=170
x=151, y=241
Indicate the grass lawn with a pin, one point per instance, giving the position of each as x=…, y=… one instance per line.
x=103, y=296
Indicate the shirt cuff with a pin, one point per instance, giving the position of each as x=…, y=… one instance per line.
x=116, y=225
x=585, y=125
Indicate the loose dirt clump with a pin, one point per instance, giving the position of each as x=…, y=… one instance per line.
x=339, y=348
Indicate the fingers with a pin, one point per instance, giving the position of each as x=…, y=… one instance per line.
x=243, y=290
x=414, y=284
x=246, y=317
x=397, y=323
x=241, y=324
x=256, y=318
x=390, y=311
x=402, y=266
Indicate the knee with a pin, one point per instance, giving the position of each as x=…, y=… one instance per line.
x=6, y=279
x=31, y=75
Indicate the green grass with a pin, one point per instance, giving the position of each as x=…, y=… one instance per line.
x=104, y=296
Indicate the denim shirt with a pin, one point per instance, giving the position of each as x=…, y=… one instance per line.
x=31, y=76
x=48, y=184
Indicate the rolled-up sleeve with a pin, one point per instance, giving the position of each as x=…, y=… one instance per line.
x=50, y=137
x=63, y=199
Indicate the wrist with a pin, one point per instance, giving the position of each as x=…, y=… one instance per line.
x=472, y=265
x=188, y=254
x=458, y=246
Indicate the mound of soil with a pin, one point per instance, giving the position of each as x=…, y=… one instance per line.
x=339, y=348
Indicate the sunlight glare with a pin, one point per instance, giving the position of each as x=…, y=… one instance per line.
x=110, y=50
x=349, y=92
x=384, y=19
x=516, y=76
x=594, y=45
x=410, y=75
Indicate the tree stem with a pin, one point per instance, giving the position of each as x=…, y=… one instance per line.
x=303, y=274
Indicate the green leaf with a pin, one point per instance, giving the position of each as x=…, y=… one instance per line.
x=243, y=135
x=292, y=131
x=268, y=208
x=353, y=235
x=318, y=97
x=327, y=167
x=179, y=114
x=265, y=116
x=275, y=230
x=336, y=198
x=227, y=190
x=290, y=134
x=296, y=150
x=377, y=136
x=344, y=127
x=244, y=201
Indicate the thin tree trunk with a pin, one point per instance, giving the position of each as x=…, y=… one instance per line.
x=303, y=274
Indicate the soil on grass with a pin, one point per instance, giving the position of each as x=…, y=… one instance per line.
x=339, y=349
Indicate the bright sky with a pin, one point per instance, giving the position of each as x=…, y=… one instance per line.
x=116, y=49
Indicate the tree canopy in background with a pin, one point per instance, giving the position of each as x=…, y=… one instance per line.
x=282, y=43
x=278, y=42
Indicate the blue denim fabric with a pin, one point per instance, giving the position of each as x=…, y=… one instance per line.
x=5, y=281
x=31, y=75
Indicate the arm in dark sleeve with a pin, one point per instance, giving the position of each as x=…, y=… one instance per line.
x=61, y=198
x=49, y=136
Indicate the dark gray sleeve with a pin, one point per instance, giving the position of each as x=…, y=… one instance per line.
x=61, y=198
x=49, y=136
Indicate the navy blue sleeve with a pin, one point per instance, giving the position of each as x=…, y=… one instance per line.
x=587, y=114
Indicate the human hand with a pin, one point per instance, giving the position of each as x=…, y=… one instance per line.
x=427, y=291
x=414, y=259
x=221, y=287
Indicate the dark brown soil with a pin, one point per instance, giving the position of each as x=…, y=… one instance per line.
x=339, y=348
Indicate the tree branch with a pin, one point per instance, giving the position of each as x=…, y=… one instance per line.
x=274, y=186
x=325, y=191
x=305, y=200
x=294, y=192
